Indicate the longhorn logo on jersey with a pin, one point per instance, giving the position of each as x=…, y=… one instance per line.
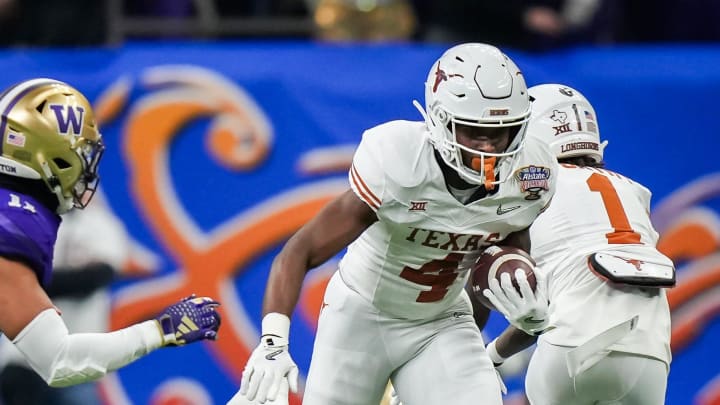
x=635, y=262
x=68, y=118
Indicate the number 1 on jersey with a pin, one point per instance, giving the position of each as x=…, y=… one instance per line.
x=623, y=232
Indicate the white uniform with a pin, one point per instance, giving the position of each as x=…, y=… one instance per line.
x=598, y=210
x=397, y=307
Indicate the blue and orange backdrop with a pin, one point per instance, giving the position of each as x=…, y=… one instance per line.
x=217, y=153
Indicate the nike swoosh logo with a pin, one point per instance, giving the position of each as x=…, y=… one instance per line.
x=501, y=210
x=272, y=355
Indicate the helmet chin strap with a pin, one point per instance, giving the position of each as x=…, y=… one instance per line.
x=422, y=110
x=63, y=204
x=489, y=170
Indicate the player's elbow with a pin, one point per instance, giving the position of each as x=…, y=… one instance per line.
x=73, y=378
x=64, y=373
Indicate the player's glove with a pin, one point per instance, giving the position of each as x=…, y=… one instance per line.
x=189, y=320
x=525, y=310
x=270, y=363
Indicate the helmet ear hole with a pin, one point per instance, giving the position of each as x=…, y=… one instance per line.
x=62, y=163
x=441, y=115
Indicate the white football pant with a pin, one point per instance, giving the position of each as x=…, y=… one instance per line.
x=434, y=361
x=618, y=379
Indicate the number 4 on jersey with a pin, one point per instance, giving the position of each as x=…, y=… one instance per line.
x=438, y=274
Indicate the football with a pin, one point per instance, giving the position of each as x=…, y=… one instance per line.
x=496, y=260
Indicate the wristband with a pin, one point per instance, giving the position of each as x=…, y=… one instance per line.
x=275, y=330
x=492, y=352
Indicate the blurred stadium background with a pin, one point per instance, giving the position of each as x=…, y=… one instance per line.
x=230, y=123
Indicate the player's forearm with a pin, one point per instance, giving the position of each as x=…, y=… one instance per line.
x=338, y=224
x=284, y=283
x=80, y=282
x=288, y=272
x=519, y=239
x=64, y=359
x=513, y=340
x=480, y=312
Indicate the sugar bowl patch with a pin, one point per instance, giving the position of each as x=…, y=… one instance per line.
x=533, y=180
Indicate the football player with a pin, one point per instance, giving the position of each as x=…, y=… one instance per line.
x=49, y=156
x=608, y=337
x=426, y=198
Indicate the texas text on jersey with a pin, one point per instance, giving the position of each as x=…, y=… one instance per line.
x=424, y=228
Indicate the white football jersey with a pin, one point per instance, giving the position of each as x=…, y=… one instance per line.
x=599, y=210
x=414, y=261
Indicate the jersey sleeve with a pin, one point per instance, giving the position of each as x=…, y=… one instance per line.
x=645, y=195
x=29, y=237
x=16, y=245
x=367, y=176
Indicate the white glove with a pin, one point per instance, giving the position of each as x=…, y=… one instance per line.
x=526, y=310
x=270, y=362
x=282, y=399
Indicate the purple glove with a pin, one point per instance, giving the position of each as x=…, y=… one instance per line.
x=189, y=320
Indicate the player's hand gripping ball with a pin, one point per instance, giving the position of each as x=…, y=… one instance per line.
x=495, y=261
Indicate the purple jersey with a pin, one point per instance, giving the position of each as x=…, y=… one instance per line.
x=28, y=231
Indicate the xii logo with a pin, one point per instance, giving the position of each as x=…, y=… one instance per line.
x=418, y=206
x=562, y=129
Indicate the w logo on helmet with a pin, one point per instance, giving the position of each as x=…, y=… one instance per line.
x=68, y=117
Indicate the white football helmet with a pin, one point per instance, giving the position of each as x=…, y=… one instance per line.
x=474, y=84
x=565, y=120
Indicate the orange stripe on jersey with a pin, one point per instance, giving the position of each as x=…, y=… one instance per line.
x=364, y=190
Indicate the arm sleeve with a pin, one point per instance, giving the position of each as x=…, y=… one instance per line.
x=367, y=177
x=64, y=359
x=80, y=282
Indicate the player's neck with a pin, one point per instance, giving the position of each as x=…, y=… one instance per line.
x=33, y=188
x=460, y=189
x=452, y=178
